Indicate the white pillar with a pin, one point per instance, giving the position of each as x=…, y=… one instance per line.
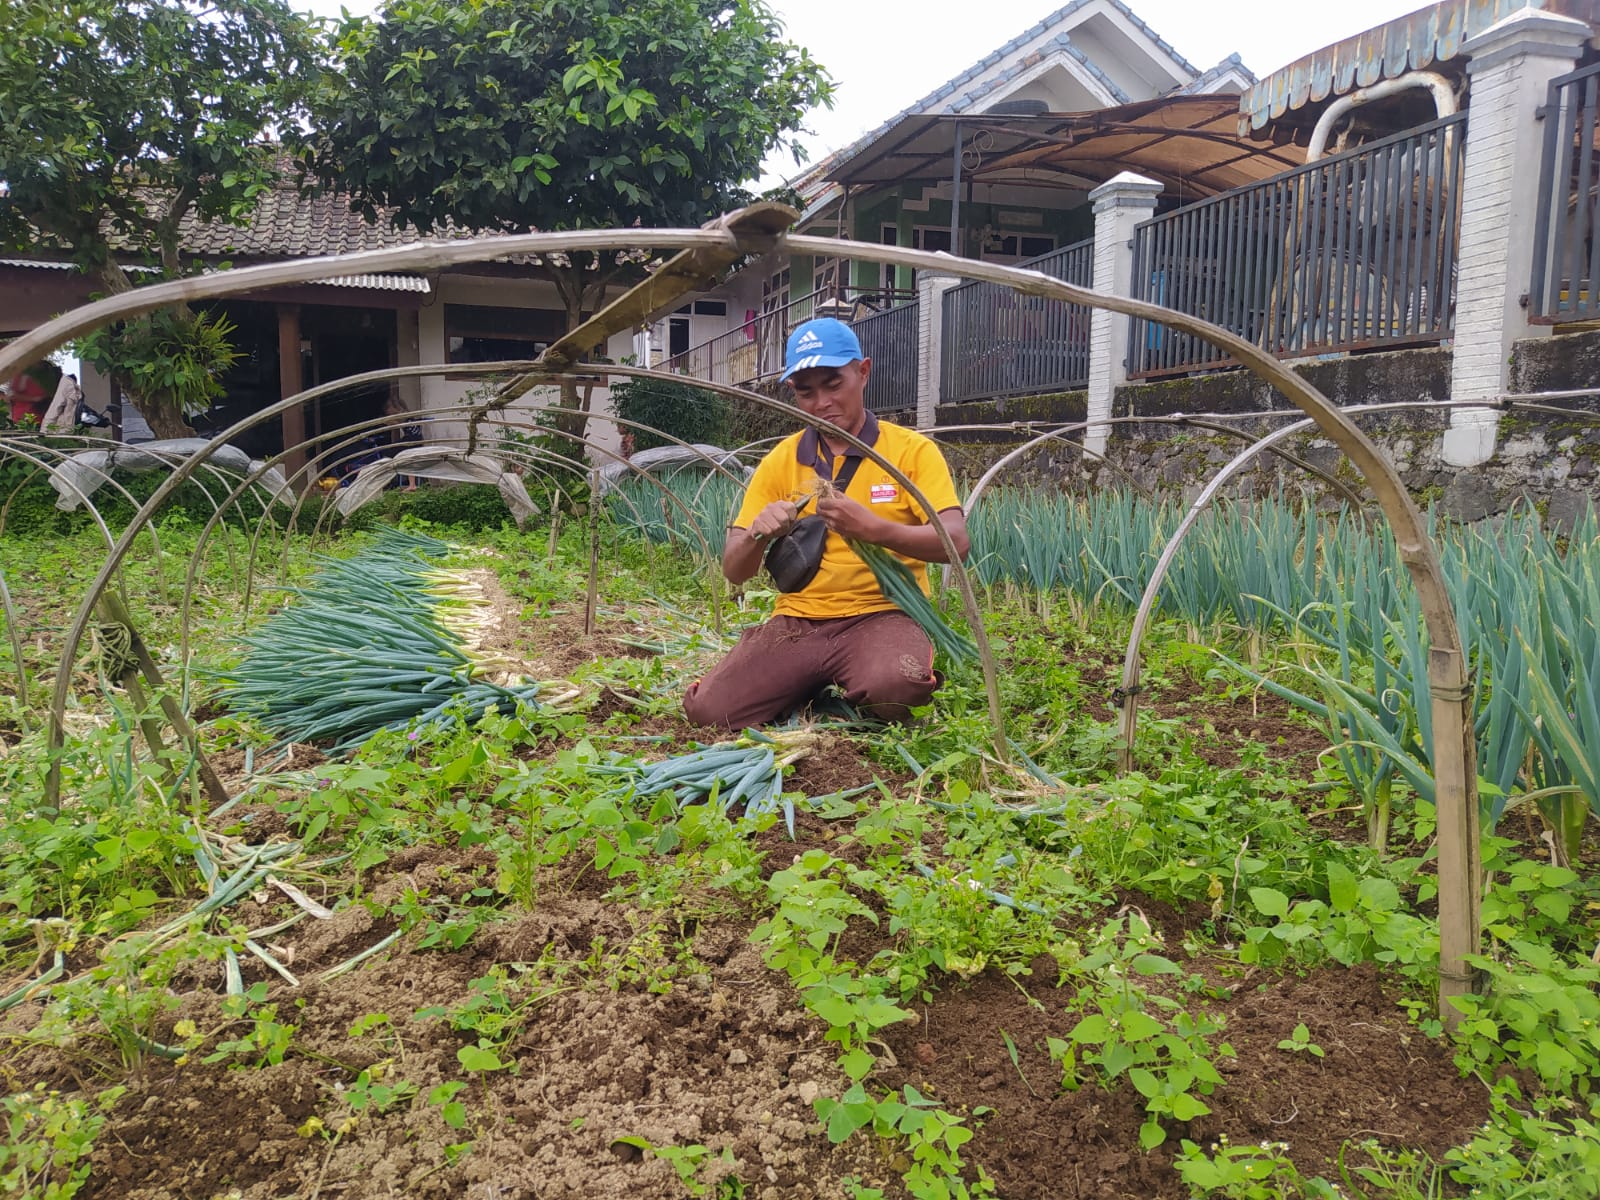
x=930, y=343
x=1120, y=204
x=1510, y=64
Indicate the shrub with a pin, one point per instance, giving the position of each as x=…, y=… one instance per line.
x=681, y=410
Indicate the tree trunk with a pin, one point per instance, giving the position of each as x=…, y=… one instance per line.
x=163, y=414
x=165, y=418
x=574, y=425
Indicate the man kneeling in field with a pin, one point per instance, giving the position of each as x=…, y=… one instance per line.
x=835, y=627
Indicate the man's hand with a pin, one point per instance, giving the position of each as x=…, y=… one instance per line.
x=852, y=519
x=773, y=521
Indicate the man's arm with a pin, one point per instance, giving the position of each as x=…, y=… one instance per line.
x=851, y=519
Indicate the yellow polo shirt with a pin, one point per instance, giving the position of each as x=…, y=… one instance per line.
x=844, y=585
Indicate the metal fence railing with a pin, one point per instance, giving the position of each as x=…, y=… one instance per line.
x=1353, y=251
x=998, y=342
x=889, y=339
x=754, y=350
x=1566, y=252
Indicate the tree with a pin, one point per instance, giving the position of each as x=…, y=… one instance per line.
x=512, y=115
x=119, y=119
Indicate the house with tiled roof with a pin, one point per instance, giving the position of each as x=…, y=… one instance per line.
x=292, y=338
x=899, y=183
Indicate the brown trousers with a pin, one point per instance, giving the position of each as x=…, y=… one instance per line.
x=883, y=663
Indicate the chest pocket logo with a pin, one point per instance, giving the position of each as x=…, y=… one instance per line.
x=885, y=493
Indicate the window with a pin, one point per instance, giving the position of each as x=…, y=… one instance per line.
x=477, y=333
x=1016, y=247
x=826, y=277
x=775, y=291
x=710, y=308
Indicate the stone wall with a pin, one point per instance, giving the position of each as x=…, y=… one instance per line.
x=1546, y=459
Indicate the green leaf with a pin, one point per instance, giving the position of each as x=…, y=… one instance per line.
x=1117, y=1058
x=1139, y=1026
x=857, y=1063
x=1154, y=964
x=1186, y=1107
x=1269, y=902
x=479, y=1058
x=1341, y=888
x=1094, y=1028
x=1151, y=1134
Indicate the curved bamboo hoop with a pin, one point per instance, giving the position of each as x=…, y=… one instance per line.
x=1132, y=663
x=1455, y=766
x=350, y=435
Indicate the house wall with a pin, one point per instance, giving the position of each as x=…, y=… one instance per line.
x=1068, y=218
x=443, y=391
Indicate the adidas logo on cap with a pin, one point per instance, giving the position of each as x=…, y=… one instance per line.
x=809, y=341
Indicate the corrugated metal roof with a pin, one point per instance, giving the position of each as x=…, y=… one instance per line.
x=1189, y=143
x=1413, y=42
x=380, y=283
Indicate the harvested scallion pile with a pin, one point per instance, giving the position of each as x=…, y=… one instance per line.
x=748, y=770
x=374, y=642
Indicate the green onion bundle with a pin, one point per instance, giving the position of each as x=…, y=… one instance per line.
x=900, y=586
x=748, y=770
x=364, y=647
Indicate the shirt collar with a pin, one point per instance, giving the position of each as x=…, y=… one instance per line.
x=809, y=452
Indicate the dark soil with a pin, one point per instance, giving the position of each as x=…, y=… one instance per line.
x=1379, y=1078
x=1222, y=728
x=720, y=1055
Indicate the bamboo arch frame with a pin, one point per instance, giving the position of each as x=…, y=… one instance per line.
x=352, y=434
x=1455, y=765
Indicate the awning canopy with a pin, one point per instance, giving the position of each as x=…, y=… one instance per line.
x=1191, y=144
x=1429, y=39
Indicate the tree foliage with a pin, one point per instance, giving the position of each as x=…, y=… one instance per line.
x=560, y=114
x=680, y=410
x=511, y=115
x=120, y=118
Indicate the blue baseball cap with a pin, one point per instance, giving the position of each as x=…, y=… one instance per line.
x=825, y=342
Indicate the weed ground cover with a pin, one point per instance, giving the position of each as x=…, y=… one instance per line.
x=479, y=958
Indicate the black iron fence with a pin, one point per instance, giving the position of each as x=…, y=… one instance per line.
x=889, y=339
x=998, y=342
x=1354, y=251
x=1566, y=253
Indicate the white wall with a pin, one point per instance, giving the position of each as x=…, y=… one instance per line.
x=439, y=392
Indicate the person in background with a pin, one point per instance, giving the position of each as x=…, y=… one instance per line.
x=62, y=415
x=400, y=436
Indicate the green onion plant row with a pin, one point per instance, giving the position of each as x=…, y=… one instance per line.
x=366, y=646
x=1528, y=603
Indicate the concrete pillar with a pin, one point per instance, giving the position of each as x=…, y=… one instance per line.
x=930, y=343
x=407, y=343
x=290, y=382
x=1510, y=66
x=1120, y=204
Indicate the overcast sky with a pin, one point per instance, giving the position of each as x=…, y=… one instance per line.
x=885, y=54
